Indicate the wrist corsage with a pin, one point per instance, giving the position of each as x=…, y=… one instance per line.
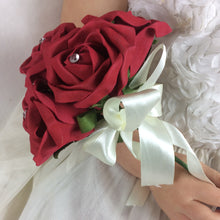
x=92, y=85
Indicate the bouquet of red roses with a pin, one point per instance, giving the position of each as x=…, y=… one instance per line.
x=73, y=71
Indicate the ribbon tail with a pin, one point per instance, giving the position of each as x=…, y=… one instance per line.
x=156, y=111
x=127, y=138
x=138, y=195
x=102, y=144
x=193, y=162
x=157, y=154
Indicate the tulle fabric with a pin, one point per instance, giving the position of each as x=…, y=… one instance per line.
x=77, y=185
x=74, y=186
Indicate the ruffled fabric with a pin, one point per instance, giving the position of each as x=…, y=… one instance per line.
x=191, y=77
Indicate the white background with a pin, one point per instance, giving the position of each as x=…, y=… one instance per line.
x=22, y=24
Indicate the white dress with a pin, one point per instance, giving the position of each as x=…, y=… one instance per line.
x=77, y=185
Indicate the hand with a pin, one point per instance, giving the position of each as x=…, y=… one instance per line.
x=188, y=197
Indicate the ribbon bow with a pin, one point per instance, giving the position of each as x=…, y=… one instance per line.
x=140, y=111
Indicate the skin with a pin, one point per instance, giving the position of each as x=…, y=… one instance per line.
x=188, y=197
x=75, y=10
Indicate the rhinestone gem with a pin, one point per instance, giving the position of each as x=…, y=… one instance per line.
x=74, y=58
x=42, y=40
x=24, y=114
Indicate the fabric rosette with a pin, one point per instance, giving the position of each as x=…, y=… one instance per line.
x=73, y=69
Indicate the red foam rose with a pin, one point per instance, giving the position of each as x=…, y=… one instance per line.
x=59, y=90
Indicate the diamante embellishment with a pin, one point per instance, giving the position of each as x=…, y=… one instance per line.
x=74, y=58
x=42, y=40
x=24, y=114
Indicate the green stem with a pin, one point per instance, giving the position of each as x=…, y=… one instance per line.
x=181, y=163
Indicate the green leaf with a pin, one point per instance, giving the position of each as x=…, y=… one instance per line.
x=129, y=73
x=120, y=140
x=56, y=154
x=128, y=90
x=129, y=79
x=154, y=42
x=87, y=121
x=101, y=103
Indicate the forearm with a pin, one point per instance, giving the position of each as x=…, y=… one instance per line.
x=75, y=10
x=126, y=160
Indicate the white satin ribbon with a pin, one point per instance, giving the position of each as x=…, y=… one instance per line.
x=141, y=111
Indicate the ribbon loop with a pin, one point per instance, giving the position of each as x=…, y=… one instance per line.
x=102, y=144
x=140, y=78
x=113, y=114
x=137, y=106
x=157, y=154
x=156, y=111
